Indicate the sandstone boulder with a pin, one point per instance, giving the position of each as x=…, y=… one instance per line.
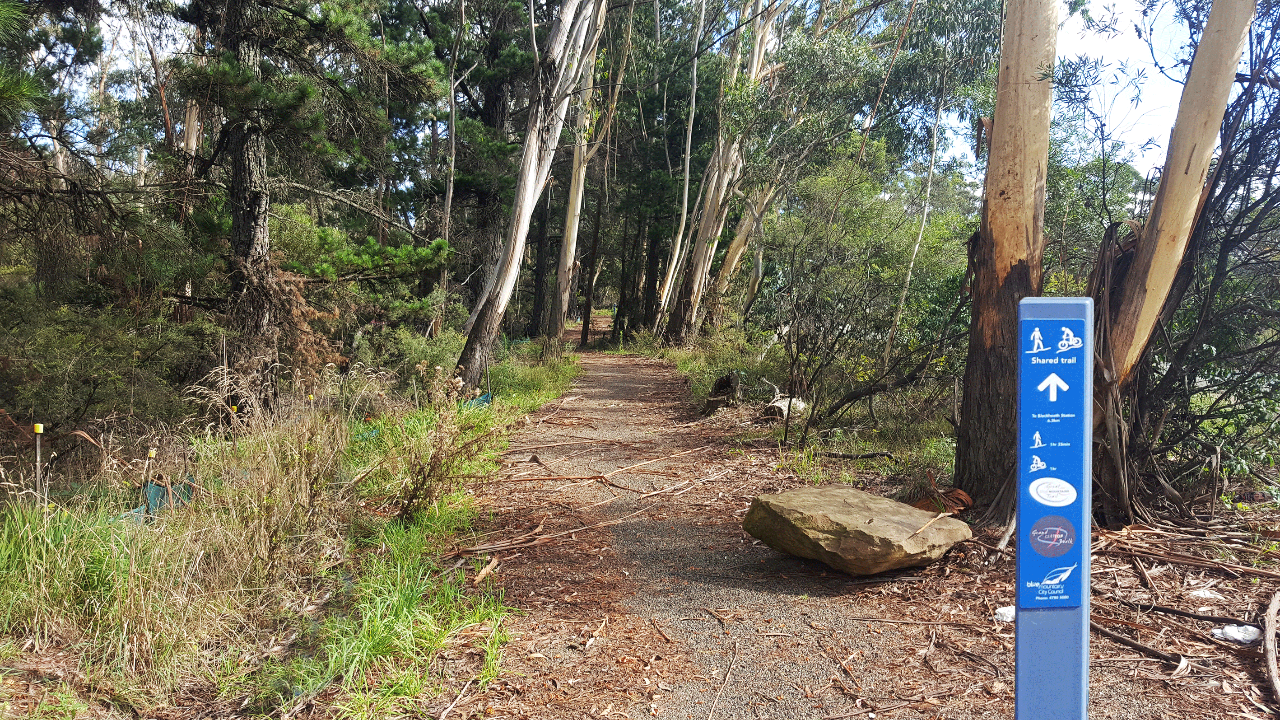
x=851, y=530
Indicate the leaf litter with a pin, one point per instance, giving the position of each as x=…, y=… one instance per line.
x=654, y=603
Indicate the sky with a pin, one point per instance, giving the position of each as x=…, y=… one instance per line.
x=1153, y=116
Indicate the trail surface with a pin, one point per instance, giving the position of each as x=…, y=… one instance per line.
x=668, y=609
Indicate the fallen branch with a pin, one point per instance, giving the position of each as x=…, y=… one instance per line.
x=529, y=539
x=1147, y=650
x=860, y=456
x=555, y=477
x=661, y=632
x=484, y=573
x=1269, y=645
x=914, y=622
x=925, y=526
x=455, y=700
x=561, y=444
x=1194, y=561
x=649, y=462
x=1145, y=607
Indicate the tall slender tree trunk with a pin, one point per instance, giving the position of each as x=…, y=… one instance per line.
x=1164, y=237
x=558, y=72
x=748, y=225
x=1151, y=283
x=453, y=121
x=593, y=272
x=653, y=260
x=542, y=258
x=924, y=223
x=1005, y=257
x=573, y=213
x=673, y=264
x=725, y=167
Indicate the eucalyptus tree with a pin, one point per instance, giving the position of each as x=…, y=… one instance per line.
x=588, y=139
x=1201, y=267
x=559, y=66
x=1005, y=256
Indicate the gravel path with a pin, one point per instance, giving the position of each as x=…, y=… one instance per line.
x=672, y=611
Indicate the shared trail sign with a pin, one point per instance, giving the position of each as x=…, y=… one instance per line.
x=1055, y=429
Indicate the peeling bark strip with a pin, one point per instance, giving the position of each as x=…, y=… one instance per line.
x=577, y=26
x=1163, y=241
x=1005, y=259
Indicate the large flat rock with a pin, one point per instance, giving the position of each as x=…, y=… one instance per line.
x=851, y=530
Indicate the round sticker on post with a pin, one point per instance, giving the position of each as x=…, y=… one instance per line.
x=1053, y=492
x=1052, y=536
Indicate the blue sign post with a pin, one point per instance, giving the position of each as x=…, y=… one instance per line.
x=1055, y=480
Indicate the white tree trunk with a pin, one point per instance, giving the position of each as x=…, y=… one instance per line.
x=664, y=293
x=1164, y=238
x=924, y=222
x=560, y=69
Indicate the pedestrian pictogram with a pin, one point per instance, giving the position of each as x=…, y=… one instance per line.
x=1037, y=342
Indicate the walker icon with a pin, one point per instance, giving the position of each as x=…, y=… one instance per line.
x=1038, y=442
x=1037, y=342
x=1069, y=340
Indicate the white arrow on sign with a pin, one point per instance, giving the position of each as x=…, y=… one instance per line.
x=1053, y=384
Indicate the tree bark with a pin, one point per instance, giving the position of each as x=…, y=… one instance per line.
x=253, y=293
x=1005, y=256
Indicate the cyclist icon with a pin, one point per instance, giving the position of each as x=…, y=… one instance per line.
x=1069, y=341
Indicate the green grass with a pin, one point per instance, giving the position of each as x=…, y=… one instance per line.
x=404, y=609
x=306, y=501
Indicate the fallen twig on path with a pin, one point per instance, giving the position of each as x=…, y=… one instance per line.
x=555, y=477
x=561, y=444
x=1147, y=650
x=531, y=538
x=915, y=622
x=661, y=632
x=1269, y=645
x=720, y=692
x=1146, y=607
x=648, y=462
x=455, y=700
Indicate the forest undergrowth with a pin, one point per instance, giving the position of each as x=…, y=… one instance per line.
x=287, y=551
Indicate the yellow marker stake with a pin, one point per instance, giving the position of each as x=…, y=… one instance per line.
x=151, y=453
x=42, y=489
x=233, y=408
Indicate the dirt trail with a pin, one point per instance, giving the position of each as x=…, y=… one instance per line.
x=674, y=612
